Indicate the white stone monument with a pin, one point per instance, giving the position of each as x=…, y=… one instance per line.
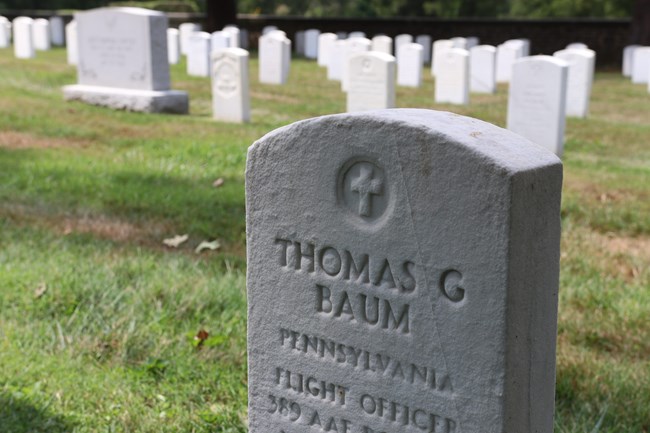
x=173, y=46
x=221, y=39
x=352, y=46
x=452, y=81
x=199, y=47
x=23, y=38
x=274, y=58
x=230, y=94
x=72, y=44
x=409, y=65
x=521, y=42
x=5, y=32
x=235, y=35
x=437, y=50
x=41, y=34
x=299, y=42
x=401, y=40
x=372, y=81
x=123, y=69
x=403, y=273
x=425, y=41
x=582, y=65
x=507, y=55
x=335, y=65
x=185, y=30
x=57, y=31
x=628, y=51
x=482, y=69
x=382, y=44
x=640, y=65
x=537, y=101
x=311, y=43
x=326, y=43
x=472, y=41
x=576, y=46
x=459, y=42
x=352, y=35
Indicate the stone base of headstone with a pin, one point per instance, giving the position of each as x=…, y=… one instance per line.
x=147, y=101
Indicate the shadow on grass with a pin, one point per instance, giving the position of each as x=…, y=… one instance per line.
x=17, y=415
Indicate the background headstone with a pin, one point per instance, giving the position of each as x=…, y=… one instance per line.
x=185, y=30
x=382, y=44
x=537, y=101
x=452, y=81
x=311, y=43
x=57, y=31
x=507, y=54
x=577, y=46
x=425, y=41
x=122, y=68
x=173, y=46
x=402, y=276
x=221, y=39
x=230, y=94
x=640, y=65
x=300, y=41
x=5, y=32
x=401, y=40
x=372, y=81
x=269, y=29
x=459, y=42
x=352, y=46
x=235, y=35
x=582, y=64
x=355, y=35
x=335, y=65
x=23, y=38
x=472, y=41
x=482, y=67
x=437, y=50
x=409, y=65
x=325, y=47
x=199, y=47
x=41, y=34
x=628, y=51
x=521, y=42
x=274, y=58
x=72, y=44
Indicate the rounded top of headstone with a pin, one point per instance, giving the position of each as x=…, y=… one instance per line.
x=492, y=144
x=484, y=48
x=542, y=58
x=125, y=10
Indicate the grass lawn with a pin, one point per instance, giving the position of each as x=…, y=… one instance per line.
x=98, y=318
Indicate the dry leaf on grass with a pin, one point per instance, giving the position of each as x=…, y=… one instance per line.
x=217, y=183
x=176, y=241
x=205, y=245
x=40, y=290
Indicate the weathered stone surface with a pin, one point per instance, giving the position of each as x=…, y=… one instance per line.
x=537, y=101
x=230, y=93
x=402, y=276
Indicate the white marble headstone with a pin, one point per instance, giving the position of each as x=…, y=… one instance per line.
x=230, y=93
x=72, y=44
x=521, y=42
x=641, y=65
x=403, y=272
x=352, y=46
x=41, y=34
x=326, y=43
x=23, y=38
x=452, y=81
x=335, y=65
x=482, y=67
x=537, y=101
x=173, y=46
x=57, y=31
x=269, y=29
x=437, y=50
x=299, y=42
x=628, y=52
x=372, y=81
x=221, y=39
x=425, y=41
x=507, y=54
x=577, y=46
x=274, y=58
x=185, y=30
x=199, y=47
x=235, y=35
x=401, y=40
x=409, y=65
x=382, y=44
x=459, y=42
x=355, y=35
x=123, y=61
x=5, y=32
x=582, y=64
x=311, y=43
x=472, y=41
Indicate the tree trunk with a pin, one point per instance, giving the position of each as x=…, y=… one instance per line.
x=220, y=13
x=641, y=22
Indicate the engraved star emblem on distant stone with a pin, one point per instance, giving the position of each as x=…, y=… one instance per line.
x=366, y=186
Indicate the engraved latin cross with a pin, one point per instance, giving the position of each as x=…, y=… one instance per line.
x=365, y=186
